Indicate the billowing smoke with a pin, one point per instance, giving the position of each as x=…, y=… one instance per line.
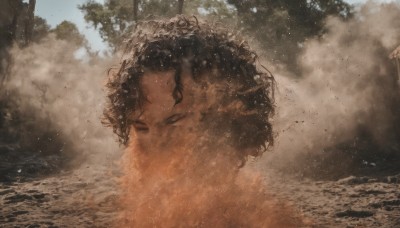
x=347, y=91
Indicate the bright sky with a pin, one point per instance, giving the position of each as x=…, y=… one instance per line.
x=55, y=11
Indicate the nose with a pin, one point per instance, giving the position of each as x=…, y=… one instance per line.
x=157, y=138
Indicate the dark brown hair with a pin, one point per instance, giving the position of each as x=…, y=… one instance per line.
x=161, y=45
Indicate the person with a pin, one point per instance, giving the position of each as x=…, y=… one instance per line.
x=191, y=103
x=182, y=56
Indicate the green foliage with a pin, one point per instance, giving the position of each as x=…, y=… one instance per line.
x=212, y=9
x=111, y=19
x=157, y=8
x=64, y=31
x=281, y=26
x=115, y=17
x=40, y=29
x=68, y=31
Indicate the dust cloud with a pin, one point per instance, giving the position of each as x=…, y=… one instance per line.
x=348, y=87
x=56, y=108
x=199, y=195
x=189, y=175
x=57, y=91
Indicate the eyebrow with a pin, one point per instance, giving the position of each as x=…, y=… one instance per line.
x=141, y=126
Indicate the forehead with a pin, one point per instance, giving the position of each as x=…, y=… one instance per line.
x=157, y=85
x=158, y=88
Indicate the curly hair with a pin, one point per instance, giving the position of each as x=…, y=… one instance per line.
x=161, y=45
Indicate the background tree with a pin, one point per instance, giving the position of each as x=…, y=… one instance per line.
x=281, y=26
x=40, y=29
x=111, y=19
x=29, y=21
x=216, y=10
x=26, y=137
x=68, y=31
x=115, y=17
x=135, y=10
x=180, y=6
x=10, y=11
x=19, y=25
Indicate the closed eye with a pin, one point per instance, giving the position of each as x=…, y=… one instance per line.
x=174, y=118
x=140, y=126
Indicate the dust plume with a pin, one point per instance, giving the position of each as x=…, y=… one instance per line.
x=347, y=91
x=58, y=93
x=185, y=190
x=55, y=107
x=191, y=177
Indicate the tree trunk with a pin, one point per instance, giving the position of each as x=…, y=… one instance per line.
x=180, y=6
x=135, y=10
x=10, y=11
x=30, y=21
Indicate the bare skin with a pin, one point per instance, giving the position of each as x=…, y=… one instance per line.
x=162, y=132
x=160, y=118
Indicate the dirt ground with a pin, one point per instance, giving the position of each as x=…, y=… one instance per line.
x=83, y=198
x=72, y=199
x=349, y=202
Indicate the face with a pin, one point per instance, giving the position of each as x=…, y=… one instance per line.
x=161, y=124
x=168, y=139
